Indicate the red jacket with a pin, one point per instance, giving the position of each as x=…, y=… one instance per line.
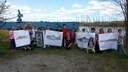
x=28, y=28
x=64, y=32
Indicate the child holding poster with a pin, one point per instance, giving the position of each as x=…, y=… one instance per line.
x=68, y=41
x=91, y=45
x=72, y=37
x=109, y=30
x=120, y=48
x=97, y=49
x=12, y=41
x=64, y=30
x=34, y=43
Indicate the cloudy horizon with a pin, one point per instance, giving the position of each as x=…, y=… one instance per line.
x=63, y=10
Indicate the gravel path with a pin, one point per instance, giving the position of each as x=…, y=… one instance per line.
x=42, y=62
x=59, y=61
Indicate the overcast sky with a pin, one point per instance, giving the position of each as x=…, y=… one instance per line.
x=65, y=10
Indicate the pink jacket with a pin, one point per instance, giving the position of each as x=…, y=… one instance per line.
x=11, y=34
x=72, y=35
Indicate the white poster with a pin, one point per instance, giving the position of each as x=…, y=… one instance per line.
x=83, y=38
x=53, y=38
x=22, y=38
x=108, y=41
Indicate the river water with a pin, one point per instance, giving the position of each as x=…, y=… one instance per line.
x=114, y=29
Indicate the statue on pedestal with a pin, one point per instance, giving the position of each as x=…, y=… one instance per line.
x=19, y=15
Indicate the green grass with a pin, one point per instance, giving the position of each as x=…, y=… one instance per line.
x=4, y=50
x=5, y=53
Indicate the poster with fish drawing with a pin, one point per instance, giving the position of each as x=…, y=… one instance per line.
x=83, y=38
x=22, y=38
x=39, y=39
x=108, y=41
x=53, y=38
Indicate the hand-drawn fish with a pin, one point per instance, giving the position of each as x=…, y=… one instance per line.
x=83, y=40
x=53, y=37
x=21, y=37
x=108, y=40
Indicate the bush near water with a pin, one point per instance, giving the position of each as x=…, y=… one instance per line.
x=4, y=35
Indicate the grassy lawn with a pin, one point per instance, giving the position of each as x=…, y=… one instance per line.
x=4, y=50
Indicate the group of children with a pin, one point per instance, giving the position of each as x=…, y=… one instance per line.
x=93, y=44
x=69, y=38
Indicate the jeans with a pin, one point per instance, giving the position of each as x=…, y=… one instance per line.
x=12, y=44
x=121, y=50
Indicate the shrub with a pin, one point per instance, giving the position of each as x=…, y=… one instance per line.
x=4, y=36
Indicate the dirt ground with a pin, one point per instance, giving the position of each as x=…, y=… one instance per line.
x=60, y=60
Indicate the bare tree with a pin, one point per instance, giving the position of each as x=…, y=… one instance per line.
x=3, y=9
x=126, y=23
x=124, y=4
